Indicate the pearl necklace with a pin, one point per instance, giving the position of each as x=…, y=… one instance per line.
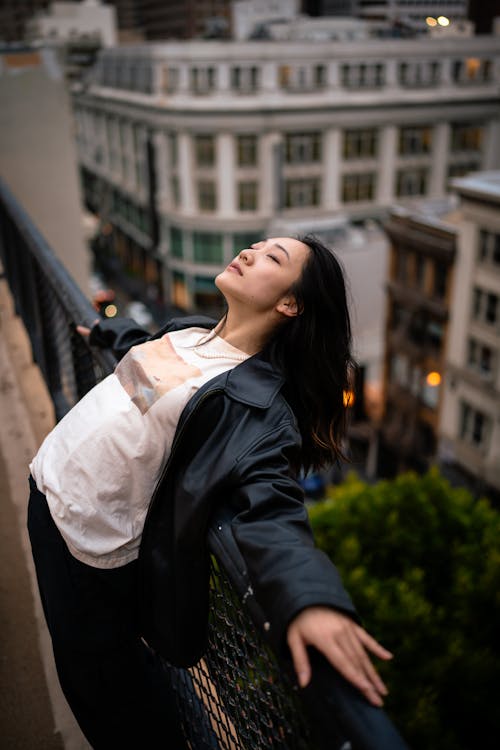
x=214, y=354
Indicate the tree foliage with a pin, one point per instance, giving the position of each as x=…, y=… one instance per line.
x=422, y=563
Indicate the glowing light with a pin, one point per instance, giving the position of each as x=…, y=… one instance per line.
x=430, y=21
x=433, y=378
x=110, y=311
x=443, y=21
x=349, y=399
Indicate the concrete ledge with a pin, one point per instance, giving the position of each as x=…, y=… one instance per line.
x=32, y=697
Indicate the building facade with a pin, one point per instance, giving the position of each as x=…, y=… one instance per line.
x=191, y=151
x=414, y=11
x=421, y=266
x=470, y=415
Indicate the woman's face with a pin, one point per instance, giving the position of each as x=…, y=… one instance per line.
x=262, y=275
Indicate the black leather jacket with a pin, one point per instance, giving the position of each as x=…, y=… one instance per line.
x=235, y=443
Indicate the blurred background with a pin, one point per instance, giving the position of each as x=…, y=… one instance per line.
x=150, y=141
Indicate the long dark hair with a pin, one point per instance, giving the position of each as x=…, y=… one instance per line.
x=313, y=350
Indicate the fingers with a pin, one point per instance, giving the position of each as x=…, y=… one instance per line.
x=84, y=330
x=344, y=644
x=364, y=664
x=347, y=663
x=299, y=657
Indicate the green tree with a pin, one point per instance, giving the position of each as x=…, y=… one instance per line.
x=422, y=563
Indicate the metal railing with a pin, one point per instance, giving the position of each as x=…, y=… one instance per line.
x=240, y=696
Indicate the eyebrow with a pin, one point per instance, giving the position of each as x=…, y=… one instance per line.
x=276, y=244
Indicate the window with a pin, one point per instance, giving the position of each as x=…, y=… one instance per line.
x=176, y=249
x=123, y=133
x=301, y=77
x=440, y=280
x=485, y=307
x=138, y=154
x=411, y=182
x=472, y=70
x=284, y=76
x=435, y=334
x=474, y=426
x=466, y=137
x=243, y=240
x=319, y=76
x=415, y=140
x=203, y=80
x=417, y=74
x=399, y=369
x=489, y=247
x=206, y=195
x=207, y=247
x=170, y=79
x=301, y=148
x=360, y=144
x=358, y=187
x=246, y=146
x=480, y=358
x=362, y=75
x=401, y=265
x=204, y=150
x=247, y=196
x=430, y=393
x=245, y=79
x=419, y=266
x=302, y=193
x=112, y=143
x=206, y=295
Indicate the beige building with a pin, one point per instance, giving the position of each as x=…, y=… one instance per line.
x=193, y=150
x=38, y=159
x=470, y=415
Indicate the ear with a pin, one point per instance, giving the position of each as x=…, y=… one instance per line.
x=288, y=307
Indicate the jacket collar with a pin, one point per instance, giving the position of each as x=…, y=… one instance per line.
x=254, y=382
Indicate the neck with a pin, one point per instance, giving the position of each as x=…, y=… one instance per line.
x=249, y=333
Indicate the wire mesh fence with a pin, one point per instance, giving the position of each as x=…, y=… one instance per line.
x=240, y=696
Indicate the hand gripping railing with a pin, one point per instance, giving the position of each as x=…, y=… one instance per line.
x=240, y=696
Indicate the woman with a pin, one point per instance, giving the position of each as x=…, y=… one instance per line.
x=124, y=486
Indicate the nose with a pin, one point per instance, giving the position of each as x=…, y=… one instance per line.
x=246, y=256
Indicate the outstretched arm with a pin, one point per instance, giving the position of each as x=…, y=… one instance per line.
x=343, y=642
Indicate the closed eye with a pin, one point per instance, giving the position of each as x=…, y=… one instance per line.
x=274, y=258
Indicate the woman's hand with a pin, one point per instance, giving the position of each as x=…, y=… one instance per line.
x=343, y=643
x=84, y=331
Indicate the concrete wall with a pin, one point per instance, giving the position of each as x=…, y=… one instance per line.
x=37, y=153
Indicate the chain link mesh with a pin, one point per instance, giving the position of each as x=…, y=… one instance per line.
x=237, y=697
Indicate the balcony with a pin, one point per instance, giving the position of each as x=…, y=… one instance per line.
x=222, y=703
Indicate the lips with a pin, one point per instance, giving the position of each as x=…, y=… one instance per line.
x=235, y=267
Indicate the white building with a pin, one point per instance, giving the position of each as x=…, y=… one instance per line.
x=65, y=22
x=248, y=14
x=414, y=11
x=193, y=150
x=470, y=415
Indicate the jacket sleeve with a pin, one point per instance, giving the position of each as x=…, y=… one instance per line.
x=117, y=334
x=120, y=334
x=271, y=528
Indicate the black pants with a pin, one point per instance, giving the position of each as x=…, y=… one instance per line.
x=113, y=683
